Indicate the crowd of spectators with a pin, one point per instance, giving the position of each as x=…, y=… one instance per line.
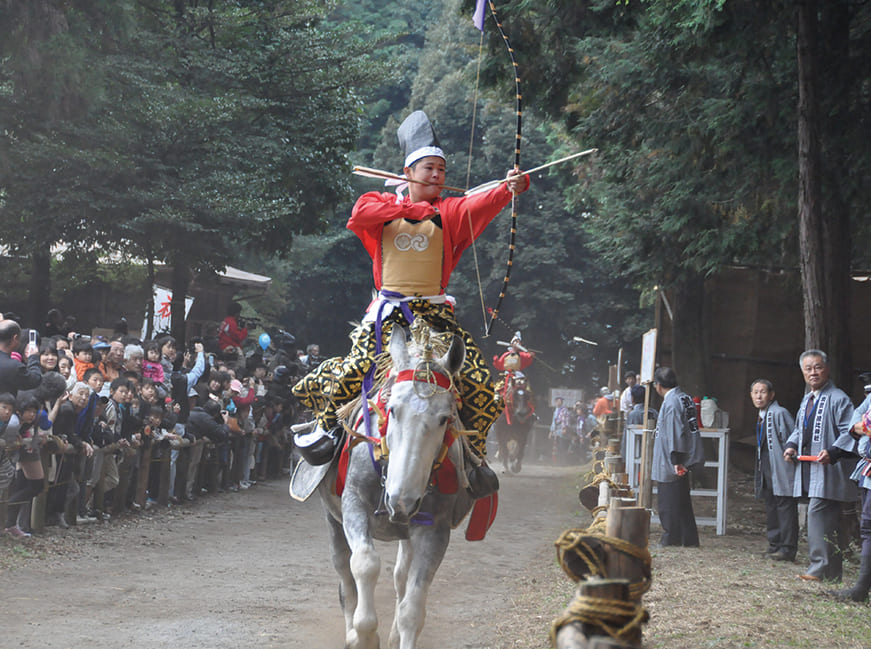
x=83, y=419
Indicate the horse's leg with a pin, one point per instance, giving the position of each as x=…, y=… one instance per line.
x=504, y=453
x=400, y=579
x=341, y=562
x=426, y=548
x=365, y=565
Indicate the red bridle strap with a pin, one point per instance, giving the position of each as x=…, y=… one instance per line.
x=440, y=379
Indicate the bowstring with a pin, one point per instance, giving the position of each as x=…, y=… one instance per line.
x=495, y=311
x=468, y=182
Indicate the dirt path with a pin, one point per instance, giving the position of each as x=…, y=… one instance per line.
x=252, y=570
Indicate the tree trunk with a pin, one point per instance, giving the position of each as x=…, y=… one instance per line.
x=148, y=327
x=824, y=238
x=40, y=289
x=810, y=219
x=181, y=279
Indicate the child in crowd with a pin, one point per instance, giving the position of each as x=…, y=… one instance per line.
x=7, y=466
x=82, y=357
x=168, y=354
x=151, y=365
x=95, y=380
x=30, y=478
x=149, y=392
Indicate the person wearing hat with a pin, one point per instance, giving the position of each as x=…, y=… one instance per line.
x=511, y=363
x=415, y=242
x=516, y=358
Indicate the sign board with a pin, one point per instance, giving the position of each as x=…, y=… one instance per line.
x=569, y=397
x=163, y=308
x=648, y=356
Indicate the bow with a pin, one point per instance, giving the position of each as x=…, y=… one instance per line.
x=494, y=312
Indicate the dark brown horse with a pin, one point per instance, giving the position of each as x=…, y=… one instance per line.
x=512, y=428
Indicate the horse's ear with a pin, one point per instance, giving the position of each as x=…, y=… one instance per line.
x=398, y=347
x=456, y=356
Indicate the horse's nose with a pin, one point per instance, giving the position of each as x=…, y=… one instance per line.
x=401, y=509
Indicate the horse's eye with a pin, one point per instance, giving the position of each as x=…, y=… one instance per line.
x=443, y=421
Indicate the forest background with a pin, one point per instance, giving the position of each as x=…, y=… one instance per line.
x=204, y=134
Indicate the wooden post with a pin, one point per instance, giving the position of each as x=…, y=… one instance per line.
x=631, y=524
x=604, y=497
x=165, y=458
x=645, y=492
x=182, y=465
x=125, y=469
x=210, y=474
x=614, y=464
x=586, y=635
x=144, y=458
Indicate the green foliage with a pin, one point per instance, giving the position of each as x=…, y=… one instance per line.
x=175, y=130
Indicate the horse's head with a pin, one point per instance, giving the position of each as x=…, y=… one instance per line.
x=421, y=405
x=520, y=399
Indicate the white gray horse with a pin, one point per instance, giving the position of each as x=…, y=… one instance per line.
x=401, y=505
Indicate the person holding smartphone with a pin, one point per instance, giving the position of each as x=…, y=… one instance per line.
x=16, y=375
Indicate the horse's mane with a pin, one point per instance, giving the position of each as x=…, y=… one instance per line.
x=440, y=343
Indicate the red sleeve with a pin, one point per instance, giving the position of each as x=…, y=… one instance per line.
x=499, y=362
x=479, y=209
x=526, y=359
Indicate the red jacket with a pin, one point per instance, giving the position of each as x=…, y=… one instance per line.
x=374, y=209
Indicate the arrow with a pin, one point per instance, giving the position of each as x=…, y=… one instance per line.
x=520, y=347
x=584, y=340
x=494, y=183
x=378, y=173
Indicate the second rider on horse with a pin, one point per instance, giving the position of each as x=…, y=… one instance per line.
x=415, y=243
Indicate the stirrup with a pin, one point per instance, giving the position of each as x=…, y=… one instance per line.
x=318, y=446
x=483, y=481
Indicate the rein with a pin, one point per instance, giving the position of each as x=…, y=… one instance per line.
x=426, y=376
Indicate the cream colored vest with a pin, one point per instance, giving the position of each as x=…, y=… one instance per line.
x=412, y=254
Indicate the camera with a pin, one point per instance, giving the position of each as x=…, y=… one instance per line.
x=33, y=335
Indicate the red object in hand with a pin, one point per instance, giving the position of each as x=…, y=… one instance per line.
x=681, y=471
x=807, y=458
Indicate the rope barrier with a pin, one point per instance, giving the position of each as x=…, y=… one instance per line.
x=582, y=553
x=618, y=618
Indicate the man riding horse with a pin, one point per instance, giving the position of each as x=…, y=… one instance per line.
x=415, y=242
x=515, y=359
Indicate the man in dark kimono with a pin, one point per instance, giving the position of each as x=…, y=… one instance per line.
x=775, y=479
x=676, y=450
x=822, y=430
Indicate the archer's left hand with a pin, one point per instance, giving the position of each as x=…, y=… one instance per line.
x=516, y=182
